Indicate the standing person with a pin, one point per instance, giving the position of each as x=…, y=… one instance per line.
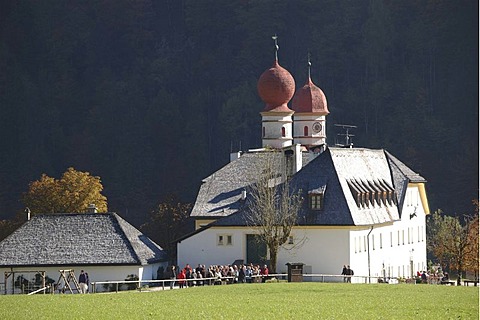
x=344, y=273
x=241, y=273
x=87, y=282
x=264, y=273
x=349, y=274
x=172, y=275
x=188, y=274
x=82, y=281
x=181, y=279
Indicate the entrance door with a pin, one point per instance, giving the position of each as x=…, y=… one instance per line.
x=256, y=250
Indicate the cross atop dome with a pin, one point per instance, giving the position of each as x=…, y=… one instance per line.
x=274, y=37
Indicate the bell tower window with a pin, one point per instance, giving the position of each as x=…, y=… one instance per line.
x=283, y=132
x=263, y=132
x=305, y=131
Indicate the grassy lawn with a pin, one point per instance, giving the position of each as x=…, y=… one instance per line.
x=256, y=301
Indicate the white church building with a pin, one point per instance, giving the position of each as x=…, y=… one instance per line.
x=362, y=207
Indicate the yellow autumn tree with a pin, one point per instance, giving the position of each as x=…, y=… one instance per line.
x=472, y=255
x=73, y=193
x=454, y=241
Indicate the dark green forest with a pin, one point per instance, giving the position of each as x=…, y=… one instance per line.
x=152, y=96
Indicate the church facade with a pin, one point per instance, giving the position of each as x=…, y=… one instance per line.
x=362, y=207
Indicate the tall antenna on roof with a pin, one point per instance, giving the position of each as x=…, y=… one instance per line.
x=347, y=134
x=274, y=37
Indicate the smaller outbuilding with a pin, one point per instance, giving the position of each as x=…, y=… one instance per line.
x=102, y=244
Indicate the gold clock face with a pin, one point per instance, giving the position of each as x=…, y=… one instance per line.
x=317, y=127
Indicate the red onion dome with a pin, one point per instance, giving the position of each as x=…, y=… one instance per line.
x=276, y=87
x=311, y=99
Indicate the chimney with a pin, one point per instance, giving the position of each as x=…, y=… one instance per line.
x=235, y=155
x=27, y=211
x=298, y=158
x=244, y=194
x=92, y=208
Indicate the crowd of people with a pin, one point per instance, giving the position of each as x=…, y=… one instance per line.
x=435, y=276
x=213, y=275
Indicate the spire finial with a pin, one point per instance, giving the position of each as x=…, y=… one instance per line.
x=309, y=65
x=274, y=37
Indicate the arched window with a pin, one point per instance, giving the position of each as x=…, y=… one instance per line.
x=305, y=131
x=283, y=132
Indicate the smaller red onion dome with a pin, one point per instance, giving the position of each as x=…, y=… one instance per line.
x=276, y=87
x=311, y=99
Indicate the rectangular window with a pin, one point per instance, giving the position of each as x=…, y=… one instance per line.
x=316, y=201
x=408, y=235
x=391, y=239
x=381, y=241
x=373, y=241
x=364, y=243
x=224, y=240
x=398, y=236
x=418, y=233
x=403, y=236
x=355, y=240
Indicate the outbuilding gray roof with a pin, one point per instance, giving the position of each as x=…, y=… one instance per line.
x=78, y=239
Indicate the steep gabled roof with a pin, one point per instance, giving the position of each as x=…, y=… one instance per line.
x=220, y=193
x=402, y=175
x=78, y=239
x=334, y=172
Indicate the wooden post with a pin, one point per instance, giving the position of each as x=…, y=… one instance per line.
x=43, y=280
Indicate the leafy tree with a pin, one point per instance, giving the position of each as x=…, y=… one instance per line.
x=472, y=255
x=8, y=226
x=74, y=192
x=273, y=207
x=169, y=221
x=452, y=241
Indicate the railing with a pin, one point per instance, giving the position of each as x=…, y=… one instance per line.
x=39, y=290
x=166, y=284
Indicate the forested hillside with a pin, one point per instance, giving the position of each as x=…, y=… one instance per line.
x=153, y=95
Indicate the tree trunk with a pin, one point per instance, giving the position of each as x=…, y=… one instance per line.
x=273, y=259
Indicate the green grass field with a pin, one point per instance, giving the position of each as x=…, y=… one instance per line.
x=256, y=301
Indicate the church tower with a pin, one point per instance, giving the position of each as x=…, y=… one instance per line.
x=310, y=106
x=276, y=87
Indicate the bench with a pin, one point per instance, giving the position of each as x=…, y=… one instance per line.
x=467, y=282
x=449, y=282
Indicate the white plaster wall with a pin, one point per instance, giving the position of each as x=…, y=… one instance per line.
x=272, y=125
x=202, y=248
x=326, y=250
x=401, y=242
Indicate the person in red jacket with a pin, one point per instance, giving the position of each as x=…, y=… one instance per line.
x=264, y=273
x=181, y=278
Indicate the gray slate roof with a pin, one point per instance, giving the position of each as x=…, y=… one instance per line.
x=330, y=171
x=78, y=239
